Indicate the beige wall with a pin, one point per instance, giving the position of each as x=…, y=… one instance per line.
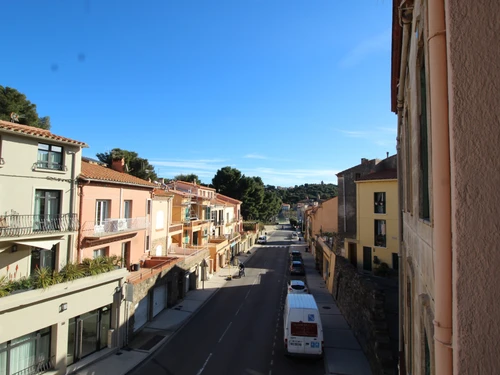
x=366, y=218
x=474, y=81
x=160, y=220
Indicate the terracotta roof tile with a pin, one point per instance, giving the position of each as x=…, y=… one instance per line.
x=388, y=174
x=37, y=132
x=228, y=199
x=162, y=193
x=91, y=171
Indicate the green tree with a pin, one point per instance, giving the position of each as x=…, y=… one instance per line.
x=12, y=101
x=188, y=178
x=227, y=182
x=136, y=166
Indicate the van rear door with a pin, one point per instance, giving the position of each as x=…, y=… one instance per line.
x=313, y=333
x=305, y=332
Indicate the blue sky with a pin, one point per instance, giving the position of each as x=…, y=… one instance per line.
x=293, y=91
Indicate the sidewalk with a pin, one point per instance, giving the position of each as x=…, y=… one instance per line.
x=343, y=354
x=163, y=327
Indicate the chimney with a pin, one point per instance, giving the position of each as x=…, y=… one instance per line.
x=118, y=165
x=364, y=161
x=387, y=153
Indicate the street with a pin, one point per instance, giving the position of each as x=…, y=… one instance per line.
x=240, y=330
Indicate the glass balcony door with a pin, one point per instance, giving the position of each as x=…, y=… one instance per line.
x=88, y=333
x=47, y=210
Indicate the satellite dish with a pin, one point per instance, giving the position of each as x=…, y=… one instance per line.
x=14, y=117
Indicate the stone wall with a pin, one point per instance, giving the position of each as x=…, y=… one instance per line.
x=362, y=304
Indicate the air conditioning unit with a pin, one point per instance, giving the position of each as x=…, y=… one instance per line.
x=122, y=224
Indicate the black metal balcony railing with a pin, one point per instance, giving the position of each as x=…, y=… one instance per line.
x=40, y=367
x=25, y=225
x=40, y=164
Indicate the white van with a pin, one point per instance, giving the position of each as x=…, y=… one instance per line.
x=303, y=329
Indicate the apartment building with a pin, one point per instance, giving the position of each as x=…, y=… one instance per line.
x=445, y=81
x=49, y=319
x=115, y=213
x=347, y=203
x=377, y=221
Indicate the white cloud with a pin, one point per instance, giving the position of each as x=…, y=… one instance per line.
x=374, y=44
x=254, y=156
x=206, y=170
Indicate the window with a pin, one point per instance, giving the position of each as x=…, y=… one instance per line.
x=88, y=333
x=159, y=220
x=207, y=214
x=127, y=209
x=409, y=355
x=46, y=215
x=379, y=200
x=380, y=237
x=43, y=258
x=49, y=157
x=100, y=253
x=304, y=329
x=424, y=147
x=427, y=355
x=101, y=211
x=408, y=165
x=26, y=354
x=2, y=162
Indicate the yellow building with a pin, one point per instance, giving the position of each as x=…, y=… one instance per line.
x=377, y=224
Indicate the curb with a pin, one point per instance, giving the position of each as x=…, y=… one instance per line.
x=165, y=341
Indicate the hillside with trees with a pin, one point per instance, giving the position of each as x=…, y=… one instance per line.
x=258, y=203
x=307, y=191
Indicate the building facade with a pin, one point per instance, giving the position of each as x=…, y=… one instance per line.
x=377, y=220
x=445, y=92
x=49, y=320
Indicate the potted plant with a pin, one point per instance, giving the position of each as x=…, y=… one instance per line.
x=42, y=278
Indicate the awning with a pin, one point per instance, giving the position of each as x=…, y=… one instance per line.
x=44, y=244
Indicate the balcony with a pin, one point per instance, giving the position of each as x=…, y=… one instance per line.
x=29, y=225
x=175, y=227
x=178, y=251
x=151, y=267
x=111, y=227
x=218, y=223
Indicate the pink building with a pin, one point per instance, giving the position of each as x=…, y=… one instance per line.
x=115, y=210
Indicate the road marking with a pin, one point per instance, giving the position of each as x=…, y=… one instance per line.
x=225, y=331
x=248, y=293
x=203, y=368
x=271, y=362
x=239, y=308
x=270, y=372
x=272, y=353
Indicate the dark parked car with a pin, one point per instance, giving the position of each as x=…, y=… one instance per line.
x=297, y=268
x=297, y=258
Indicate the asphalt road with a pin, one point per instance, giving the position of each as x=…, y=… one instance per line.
x=240, y=330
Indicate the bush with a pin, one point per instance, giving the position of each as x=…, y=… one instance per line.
x=382, y=270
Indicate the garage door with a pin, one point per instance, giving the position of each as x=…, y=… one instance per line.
x=141, y=313
x=159, y=299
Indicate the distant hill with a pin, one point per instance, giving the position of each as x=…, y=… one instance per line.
x=293, y=195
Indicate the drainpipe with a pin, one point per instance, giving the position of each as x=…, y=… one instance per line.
x=405, y=17
x=70, y=250
x=441, y=187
